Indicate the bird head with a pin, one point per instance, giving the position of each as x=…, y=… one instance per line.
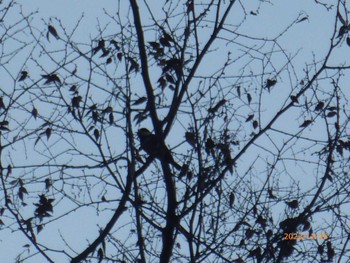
x=143, y=132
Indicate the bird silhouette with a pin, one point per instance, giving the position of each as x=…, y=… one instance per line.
x=152, y=145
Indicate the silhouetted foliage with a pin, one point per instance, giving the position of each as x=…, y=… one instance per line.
x=181, y=132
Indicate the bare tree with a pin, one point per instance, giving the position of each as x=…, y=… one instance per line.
x=178, y=134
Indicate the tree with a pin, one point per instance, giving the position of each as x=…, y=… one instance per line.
x=181, y=133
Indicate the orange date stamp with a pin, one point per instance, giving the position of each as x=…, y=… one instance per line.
x=301, y=236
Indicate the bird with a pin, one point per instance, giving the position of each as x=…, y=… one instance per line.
x=155, y=147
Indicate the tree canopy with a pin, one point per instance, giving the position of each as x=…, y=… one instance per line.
x=176, y=131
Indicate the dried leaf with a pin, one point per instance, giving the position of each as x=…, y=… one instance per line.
x=48, y=133
x=52, y=31
x=217, y=106
x=23, y=76
x=319, y=106
x=34, y=112
x=140, y=100
x=96, y=134
x=249, y=118
x=120, y=56
x=341, y=19
x=249, y=98
x=305, y=123
x=331, y=114
x=232, y=199
x=39, y=228
x=303, y=19
x=111, y=118
x=2, y=105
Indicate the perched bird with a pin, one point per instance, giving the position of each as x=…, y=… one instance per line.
x=155, y=147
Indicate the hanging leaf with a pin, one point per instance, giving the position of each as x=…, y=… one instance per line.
x=115, y=44
x=100, y=255
x=341, y=19
x=2, y=105
x=331, y=114
x=134, y=66
x=271, y=195
x=120, y=56
x=141, y=116
x=52, y=31
x=76, y=101
x=162, y=83
x=36, y=141
x=348, y=41
x=39, y=228
x=320, y=249
x=21, y=191
x=209, y=145
x=249, y=98
x=9, y=170
x=44, y=207
x=34, y=112
x=96, y=134
x=109, y=60
x=305, y=123
x=95, y=116
x=217, y=106
x=51, y=78
x=319, y=106
x=23, y=76
x=48, y=183
x=105, y=53
x=232, y=199
x=111, y=118
x=330, y=251
x=169, y=78
x=306, y=104
x=100, y=46
x=3, y=125
x=270, y=83
x=48, y=133
x=306, y=226
x=342, y=31
x=140, y=100
x=249, y=118
x=73, y=88
x=255, y=124
x=303, y=19
x=332, y=108
x=238, y=91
